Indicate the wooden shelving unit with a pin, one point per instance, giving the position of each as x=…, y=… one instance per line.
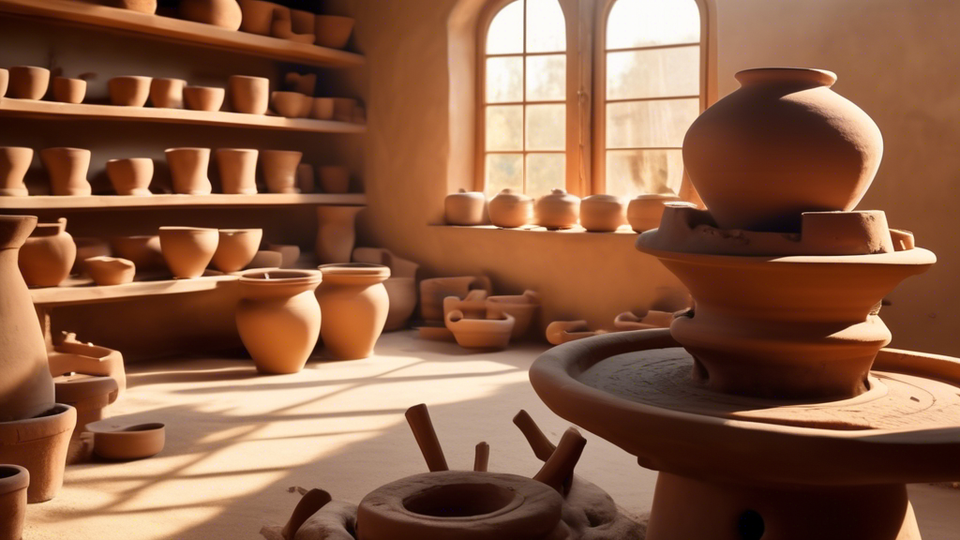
x=120, y=202
x=78, y=291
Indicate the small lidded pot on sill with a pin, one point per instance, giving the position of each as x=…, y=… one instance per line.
x=645, y=210
x=510, y=209
x=558, y=210
x=602, y=213
x=464, y=208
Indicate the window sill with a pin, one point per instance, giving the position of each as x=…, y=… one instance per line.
x=624, y=230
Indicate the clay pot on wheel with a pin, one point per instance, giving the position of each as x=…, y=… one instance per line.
x=48, y=255
x=222, y=13
x=558, y=210
x=203, y=98
x=188, y=250
x=110, y=270
x=28, y=82
x=355, y=293
x=188, y=170
x=280, y=170
x=249, y=95
x=236, y=249
x=69, y=90
x=129, y=91
x=464, y=208
x=238, y=170
x=336, y=233
x=67, y=168
x=167, y=93
x=131, y=176
x=645, y=211
x=602, y=213
x=14, y=164
x=13, y=500
x=510, y=209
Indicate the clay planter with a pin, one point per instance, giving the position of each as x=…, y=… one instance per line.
x=510, y=209
x=289, y=254
x=188, y=170
x=69, y=90
x=67, y=168
x=28, y=82
x=124, y=441
x=143, y=251
x=48, y=255
x=110, y=270
x=354, y=292
x=464, y=208
x=332, y=31
x=280, y=170
x=39, y=444
x=238, y=170
x=558, y=210
x=257, y=16
x=433, y=291
x=188, y=250
x=142, y=6
x=87, y=248
x=4, y=81
x=14, y=164
x=131, y=176
x=749, y=154
x=322, y=109
x=89, y=395
x=521, y=307
x=167, y=93
x=489, y=333
x=203, y=98
x=645, y=211
x=222, y=13
x=278, y=318
x=602, y=213
x=336, y=233
x=291, y=104
x=129, y=91
x=236, y=249
x=333, y=179
x=249, y=95
x=13, y=501
x=305, y=178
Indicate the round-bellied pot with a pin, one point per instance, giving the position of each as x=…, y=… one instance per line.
x=14, y=480
x=167, y=93
x=188, y=170
x=222, y=13
x=602, y=213
x=333, y=31
x=238, y=170
x=110, y=270
x=143, y=251
x=354, y=292
x=48, y=255
x=558, y=210
x=510, y=209
x=334, y=178
x=780, y=145
x=203, y=98
x=69, y=90
x=131, y=91
x=280, y=170
x=39, y=444
x=336, y=233
x=131, y=176
x=645, y=211
x=278, y=318
x=142, y=6
x=188, y=250
x=67, y=168
x=464, y=208
x=257, y=16
x=28, y=82
x=236, y=249
x=14, y=163
x=249, y=95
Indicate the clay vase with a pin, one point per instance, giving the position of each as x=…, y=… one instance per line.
x=510, y=209
x=355, y=293
x=257, y=16
x=67, y=168
x=333, y=31
x=131, y=176
x=28, y=82
x=433, y=291
x=109, y=271
x=14, y=164
x=305, y=178
x=167, y=93
x=646, y=210
x=236, y=249
x=188, y=250
x=278, y=318
x=14, y=480
x=249, y=95
x=48, y=255
x=558, y=210
x=750, y=155
x=69, y=90
x=188, y=170
x=129, y=91
x=143, y=251
x=291, y=104
x=602, y=213
x=238, y=170
x=142, y=6
x=334, y=179
x=464, y=208
x=336, y=233
x=222, y=13
x=203, y=98
x=280, y=170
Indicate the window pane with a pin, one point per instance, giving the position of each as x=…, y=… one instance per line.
x=632, y=172
x=653, y=73
x=546, y=127
x=546, y=26
x=645, y=23
x=504, y=127
x=503, y=171
x=505, y=79
x=634, y=124
x=506, y=30
x=547, y=78
x=545, y=172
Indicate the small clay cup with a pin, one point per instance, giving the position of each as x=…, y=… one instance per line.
x=334, y=179
x=236, y=249
x=280, y=170
x=257, y=16
x=249, y=95
x=238, y=170
x=188, y=250
x=322, y=108
x=464, y=208
x=129, y=91
x=67, y=168
x=188, y=169
x=110, y=270
x=69, y=90
x=14, y=481
x=4, y=81
x=28, y=82
x=333, y=31
x=203, y=98
x=167, y=93
x=291, y=104
x=131, y=176
x=14, y=163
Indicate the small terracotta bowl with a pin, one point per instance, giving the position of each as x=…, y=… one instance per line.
x=291, y=104
x=127, y=442
x=203, y=98
x=129, y=91
x=69, y=90
x=110, y=270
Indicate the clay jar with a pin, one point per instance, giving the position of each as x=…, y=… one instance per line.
x=510, y=209
x=109, y=271
x=280, y=170
x=558, y=210
x=188, y=169
x=249, y=95
x=69, y=90
x=236, y=249
x=167, y=93
x=48, y=255
x=188, y=250
x=131, y=176
x=203, y=98
x=602, y=213
x=646, y=210
x=355, y=293
x=278, y=318
x=333, y=31
x=238, y=170
x=334, y=179
x=464, y=208
x=222, y=13
x=129, y=91
x=257, y=16
x=67, y=168
x=14, y=164
x=291, y=104
x=13, y=501
x=749, y=154
x=336, y=233
x=28, y=82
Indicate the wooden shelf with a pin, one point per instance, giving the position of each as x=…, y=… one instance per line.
x=99, y=202
x=77, y=291
x=179, y=31
x=624, y=230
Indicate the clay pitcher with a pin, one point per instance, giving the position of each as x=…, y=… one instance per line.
x=355, y=293
x=48, y=255
x=336, y=233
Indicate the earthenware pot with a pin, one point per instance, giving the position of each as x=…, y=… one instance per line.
x=280, y=170
x=88, y=394
x=464, y=208
x=602, y=213
x=69, y=90
x=291, y=104
x=472, y=306
x=289, y=253
x=401, y=285
x=336, y=233
x=110, y=270
x=129, y=91
x=238, y=170
x=305, y=178
x=14, y=480
x=39, y=444
x=780, y=145
x=4, y=81
x=167, y=93
x=489, y=333
x=88, y=247
x=236, y=249
x=14, y=163
x=355, y=293
x=67, y=168
x=124, y=440
x=28, y=82
x=203, y=98
x=521, y=307
x=334, y=178
x=646, y=210
x=434, y=290
x=188, y=170
x=278, y=318
x=143, y=251
x=322, y=108
x=332, y=31
x=558, y=210
x=257, y=16
x=131, y=176
x=142, y=6
x=222, y=13
x=510, y=209
x=48, y=255
x=249, y=95
x=188, y=250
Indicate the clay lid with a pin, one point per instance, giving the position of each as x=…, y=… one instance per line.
x=559, y=196
x=509, y=195
x=355, y=271
x=602, y=199
x=77, y=387
x=13, y=478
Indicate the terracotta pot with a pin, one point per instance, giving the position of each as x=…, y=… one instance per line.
x=645, y=211
x=87, y=248
x=188, y=250
x=355, y=293
x=141, y=6
x=332, y=31
x=558, y=210
x=48, y=255
x=249, y=95
x=602, y=213
x=238, y=170
x=282, y=27
x=278, y=318
x=67, y=168
x=305, y=83
x=289, y=254
x=110, y=270
x=749, y=155
x=143, y=251
x=434, y=290
x=39, y=444
x=401, y=286
x=521, y=307
x=14, y=164
x=510, y=209
x=257, y=16
x=305, y=178
x=322, y=109
x=14, y=480
x=334, y=179
x=291, y=104
x=72, y=356
x=167, y=93
x=222, y=13
x=4, y=81
x=489, y=333
x=464, y=208
x=28, y=82
x=303, y=22
x=203, y=98
x=131, y=176
x=236, y=249
x=129, y=91
x=124, y=440
x=336, y=233
x=88, y=394
x=69, y=90
x=188, y=170
x=280, y=170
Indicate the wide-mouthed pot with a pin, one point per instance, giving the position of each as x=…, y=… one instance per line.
x=203, y=98
x=188, y=250
x=124, y=440
x=48, y=255
x=188, y=170
x=167, y=93
x=249, y=95
x=236, y=249
x=131, y=176
x=257, y=16
x=492, y=333
x=129, y=91
x=291, y=104
x=28, y=82
x=355, y=293
x=333, y=31
x=66, y=90
x=238, y=170
x=280, y=170
x=67, y=168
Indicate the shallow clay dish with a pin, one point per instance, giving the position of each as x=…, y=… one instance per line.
x=110, y=270
x=119, y=440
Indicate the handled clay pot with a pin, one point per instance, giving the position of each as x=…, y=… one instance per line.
x=203, y=98
x=336, y=233
x=167, y=93
x=257, y=16
x=464, y=208
x=433, y=291
x=131, y=176
x=69, y=90
x=28, y=82
x=14, y=480
x=48, y=255
x=238, y=170
x=14, y=164
x=249, y=95
x=558, y=210
x=646, y=210
x=334, y=179
x=521, y=307
x=236, y=249
x=109, y=271
x=67, y=168
x=602, y=213
x=280, y=170
x=355, y=293
x=188, y=170
x=333, y=31
x=510, y=209
x=129, y=91
x=188, y=250
x=222, y=13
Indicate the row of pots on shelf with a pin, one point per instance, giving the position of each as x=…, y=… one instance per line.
x=68, y=168
x=558, y=210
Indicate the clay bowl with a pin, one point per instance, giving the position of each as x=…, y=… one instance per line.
x=249, y=95
x=305, y=83
x=69, y=90
x=332, y=31
x=28, y=82
x=282, y=27
x=188, y=250
x=14, y=480
x=114, y=440
x=203, y=98
x=129, y=91
x=490, y=334
x=142, y=6
x=110, y=270
x=522, y=307
x=131, y=176
x=167, y=93
x=289, y=253
x=645, y=211
x=322, y=108
x=257, y=16
x=473, y=306
x=236, y=248
x=291, y=104
x=88, y=247
x=302, y=22
x=333, y=179
x=143, y=251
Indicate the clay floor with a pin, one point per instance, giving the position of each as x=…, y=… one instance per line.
x=238, y=442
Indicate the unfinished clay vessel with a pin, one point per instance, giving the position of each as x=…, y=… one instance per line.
x=355, y=293
x=188, y=170
x=289, y=253
x=249, y=95
x=67, y=90
x=291, y=104
x=110, y=270
x=203, y=98
x=492, y=333
x=48, y=255
x=510, y=209
x=464, y=208
x=143, y=251
x=236, y=249
x=280, y=170
x=222, y=13
x=278, y=318
x=521, y=307
x=39, y=444
x=257, y=16
x=645, y=211
x=333, y=31
x=13, y=501
x=433, y=291
x=125, y=439
x=167, y=93
x=67, y=168
x=336, y=233
x=401, y=285
x=238, y=170
x=558, y=210
x=28, y=82
x=129, y=91
x=188, y=250
x=131, y=176
x=334, y=179
x=14, y=163
x=602, y=213
x=142, y=6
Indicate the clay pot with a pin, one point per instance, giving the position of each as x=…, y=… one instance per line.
x=302, y=22
x=257, y=16
x=124, y=441
x=344, y=109
x=72, y=356
x=282, y=27
x=131, y=176
x=510, y=209
x=167, y=93
x=334, y=179
x=129, y=91
x=355, y=293
x=14, y=164
x=188, y=170
x=39, y=444
x=602, y=213
x=28, y=82
x=749, y=154
x=14, y=480
x=222, y=13
x=87, y=248
x=203, y=98
x=558, y=210
x=291, y=104
x=236, y=249
x=322, y=109
x=305, y=178
x=646, y=210
x=305, y=83
x=142, y=6
x=143, y=251
x=278, y=318
x=288, y=253
x=521, y=307
x=401, y=285
x=332, y=31
x=88, y=394
x=249, y=95
x=464, y=208
x=110, y=270
x=67, y=168
x=69, y=90
x=433, y=291
x=188, y=250
x=280, y=170
x=4, y=81
x=336, y=233
x=238, y=170
x=489, y=333
x=48, y=255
